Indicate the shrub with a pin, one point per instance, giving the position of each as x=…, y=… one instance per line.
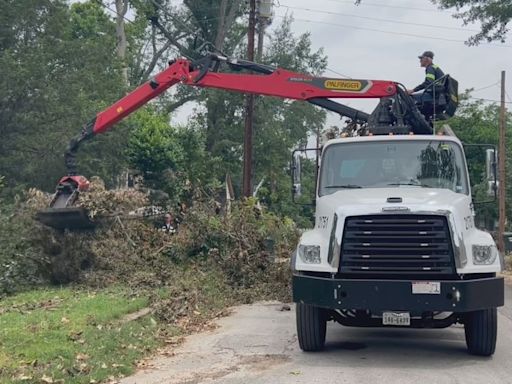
x=243, y=245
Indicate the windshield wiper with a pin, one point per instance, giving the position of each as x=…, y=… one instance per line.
x=412, y=183
x=350, y=186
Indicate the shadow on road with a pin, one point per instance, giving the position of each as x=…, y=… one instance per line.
x=393, y=348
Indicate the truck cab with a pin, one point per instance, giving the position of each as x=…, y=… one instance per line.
x=395, y=244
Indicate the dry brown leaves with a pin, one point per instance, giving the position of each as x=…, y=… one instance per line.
x=121, y=249
x=102, y=202
x=231, y=249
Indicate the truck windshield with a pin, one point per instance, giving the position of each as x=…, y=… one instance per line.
x=388, y=164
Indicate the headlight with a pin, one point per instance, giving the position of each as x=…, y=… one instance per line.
x=484, y=254
x=310, y=254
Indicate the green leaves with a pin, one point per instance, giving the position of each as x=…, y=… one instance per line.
x=89, y=22
x=153, y=147
x=494, y=16
x=58, y=68
x=61, y=58
x=173, y=160
x=477, y=123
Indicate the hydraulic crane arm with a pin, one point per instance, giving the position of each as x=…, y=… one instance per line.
x=271, y=82
x=395, y=110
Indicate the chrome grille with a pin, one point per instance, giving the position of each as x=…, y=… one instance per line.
x=397, y=245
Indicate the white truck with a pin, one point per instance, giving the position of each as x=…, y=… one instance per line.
x=395, y=243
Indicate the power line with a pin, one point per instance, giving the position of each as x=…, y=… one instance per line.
x=389, y=32
x=115, y=11
x=182, y=23
x=378, y=19
x=508, y=97
x=209, y=42
x=171, y=16
x=338, y=73
x=486, y=87
x=489, y=100
x=365, y=3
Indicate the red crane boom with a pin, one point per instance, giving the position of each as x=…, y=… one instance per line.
x=204, y=73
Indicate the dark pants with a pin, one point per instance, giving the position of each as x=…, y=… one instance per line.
x=425, y=103
x=422, y=97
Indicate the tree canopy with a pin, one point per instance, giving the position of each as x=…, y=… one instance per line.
x=60, y=67
x=494, y=16
x=63, y=58
x=477, y=123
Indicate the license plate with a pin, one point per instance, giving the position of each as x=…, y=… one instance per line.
x=396, y=318
x=426, y=288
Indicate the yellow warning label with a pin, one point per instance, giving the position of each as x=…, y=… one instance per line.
x=343, y=85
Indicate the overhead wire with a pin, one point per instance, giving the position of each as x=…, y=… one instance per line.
x=211, y=44
x=377, y=19
x=489, y=100
x=99, y=2
x=365, y=3
x=496, y=84
x=388, y=32
x=508, y=97
x=183, y=24
x=146, y=45
x=485, y=87
x=338, y=73
x=168, y=14
x=340, y=25
x=115, y=11
x=133, y=21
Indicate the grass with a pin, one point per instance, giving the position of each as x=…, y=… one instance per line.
x=78, y=335
x=72, y=336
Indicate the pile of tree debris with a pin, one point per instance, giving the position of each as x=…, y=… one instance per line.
x=239, y=248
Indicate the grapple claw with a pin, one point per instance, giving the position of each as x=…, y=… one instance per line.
x=62, y=213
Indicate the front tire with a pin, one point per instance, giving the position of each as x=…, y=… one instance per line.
x=481, y=328
x=311, y=327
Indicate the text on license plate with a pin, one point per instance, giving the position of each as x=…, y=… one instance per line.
x=396, y=318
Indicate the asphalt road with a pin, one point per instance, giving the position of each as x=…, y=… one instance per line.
x=258, y=344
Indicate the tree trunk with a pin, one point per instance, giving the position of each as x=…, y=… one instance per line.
x=122, y=44
x=226, y=19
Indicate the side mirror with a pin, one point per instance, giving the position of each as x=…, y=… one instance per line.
x=481, y=160
x=304, y=174
x=490, y=171
x=296, y=175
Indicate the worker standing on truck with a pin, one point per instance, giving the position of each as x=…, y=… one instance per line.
x=432, y=74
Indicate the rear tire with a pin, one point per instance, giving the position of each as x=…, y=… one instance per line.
x=311, y=327
x=481, y=328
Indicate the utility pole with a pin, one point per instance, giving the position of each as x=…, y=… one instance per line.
x=501, y=169
x=249, y=108
x=261, y=35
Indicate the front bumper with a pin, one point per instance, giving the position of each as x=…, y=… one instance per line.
x=397, y=295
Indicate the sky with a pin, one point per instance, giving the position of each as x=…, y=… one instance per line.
x=381, y=40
